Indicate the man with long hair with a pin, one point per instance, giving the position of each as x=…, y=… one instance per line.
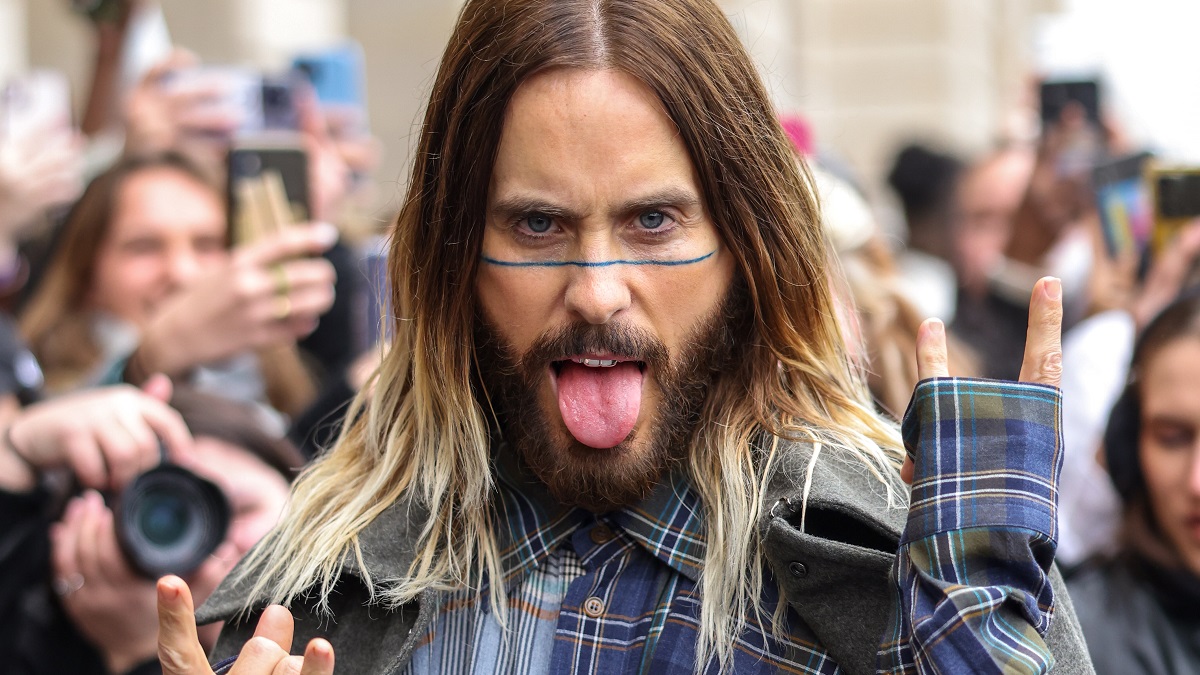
x=619, y=430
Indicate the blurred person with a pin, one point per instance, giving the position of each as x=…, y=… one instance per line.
x=925, y=179
x=618, y=388
x=144, y=281
x=881, y=321
x=990, y=314
x=71, y=601
x=1095, y=357
x=987, y=199
x=1139, y=606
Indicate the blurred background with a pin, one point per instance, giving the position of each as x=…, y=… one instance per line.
x=868, y=75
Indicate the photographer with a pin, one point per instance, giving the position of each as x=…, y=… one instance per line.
x=71, y=599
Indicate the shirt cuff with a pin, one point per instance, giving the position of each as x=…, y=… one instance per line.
x=986, y=453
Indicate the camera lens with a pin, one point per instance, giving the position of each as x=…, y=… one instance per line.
x=170, y=520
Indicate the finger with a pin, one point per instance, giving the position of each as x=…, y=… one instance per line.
x=89, y=531
x=120, y=452
x=64, y=551
x=87, y=460
x=179, y=647
x=109, y=561
x=258, y=655
x=931, y=350
x=1043, y=342
x=310, y=302
x=906, y=470
x=276, y=625
x=178, y=59
x=293, y=242
x=168, y=424
x=318, y=658
x=158, y=386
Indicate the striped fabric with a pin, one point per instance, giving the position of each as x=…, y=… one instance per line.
x=972, y=591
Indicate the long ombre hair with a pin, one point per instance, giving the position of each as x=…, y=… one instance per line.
x=424, y=436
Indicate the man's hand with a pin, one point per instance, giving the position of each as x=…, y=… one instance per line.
x=110, y=604
x=1043, y=345
x=267, y=653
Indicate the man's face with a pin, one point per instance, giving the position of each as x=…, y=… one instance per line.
x=605, y=289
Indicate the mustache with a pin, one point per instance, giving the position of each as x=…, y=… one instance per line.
x=581, y=338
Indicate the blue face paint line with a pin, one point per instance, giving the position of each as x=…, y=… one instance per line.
x=603, y=263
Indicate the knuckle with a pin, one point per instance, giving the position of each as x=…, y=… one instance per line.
x=1050, y=367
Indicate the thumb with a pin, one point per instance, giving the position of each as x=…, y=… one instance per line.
x=179, y=648
x=159, y=386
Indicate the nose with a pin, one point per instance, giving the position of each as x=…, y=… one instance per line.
x=597, y=294
x=182, y=267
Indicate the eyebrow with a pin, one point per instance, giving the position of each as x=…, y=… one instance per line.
x=520, y=205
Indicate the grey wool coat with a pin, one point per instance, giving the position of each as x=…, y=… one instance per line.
x=835, y=575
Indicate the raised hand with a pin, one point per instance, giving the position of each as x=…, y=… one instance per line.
x=104, y=436
x=267, y=653
x=1043, y=345
x=270, y=292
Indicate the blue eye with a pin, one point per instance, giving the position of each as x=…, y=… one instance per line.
x=652, y=220
x=539, y=223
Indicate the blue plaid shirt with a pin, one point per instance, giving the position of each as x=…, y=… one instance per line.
x=619, y=593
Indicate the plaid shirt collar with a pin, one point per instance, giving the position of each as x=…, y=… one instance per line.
x=531, y=523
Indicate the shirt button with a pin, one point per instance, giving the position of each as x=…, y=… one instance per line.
x=593, y=607
x=602, y=534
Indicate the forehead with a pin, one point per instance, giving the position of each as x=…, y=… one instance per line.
x=1170, y=380
x=165, y=196
x=585, y=133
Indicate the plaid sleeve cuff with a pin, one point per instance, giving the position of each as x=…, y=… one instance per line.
x=987, y=454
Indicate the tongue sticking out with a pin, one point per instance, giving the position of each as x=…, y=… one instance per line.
x=600, y=405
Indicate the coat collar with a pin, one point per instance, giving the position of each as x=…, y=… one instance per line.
x=839, y=485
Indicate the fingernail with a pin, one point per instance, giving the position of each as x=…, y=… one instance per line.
x=936, y=327
x=1053, y=288
x=325, y=233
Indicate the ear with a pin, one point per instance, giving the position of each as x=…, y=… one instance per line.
x=1121, y=439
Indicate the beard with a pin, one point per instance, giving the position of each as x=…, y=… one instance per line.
x=607, y=479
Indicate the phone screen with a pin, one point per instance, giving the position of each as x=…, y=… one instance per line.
x=290, y=163
x=1124, y=203
x=1175, y=193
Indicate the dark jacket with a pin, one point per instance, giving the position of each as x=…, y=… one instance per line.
x=1139, y=619
x=36, y=635
x=840, y=586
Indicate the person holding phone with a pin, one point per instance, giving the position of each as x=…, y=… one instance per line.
x=144, y=281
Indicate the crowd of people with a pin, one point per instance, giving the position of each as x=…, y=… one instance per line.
x=139, y=332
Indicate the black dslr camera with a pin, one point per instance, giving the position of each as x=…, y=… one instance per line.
x=168, y=520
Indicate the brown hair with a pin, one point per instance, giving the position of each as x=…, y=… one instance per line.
x=57, y=323
x=237, y=424
x=425, y=435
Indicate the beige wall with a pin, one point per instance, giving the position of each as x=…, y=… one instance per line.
x=867, y=73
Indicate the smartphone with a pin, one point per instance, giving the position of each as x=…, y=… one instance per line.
x=1123, y=203
x=378, y=298
x=1085, y=148
x=259, y=102
x=37, y=101
x=1056, y=95
x=253, y=160
x=1175, y=194
x=338, y=77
